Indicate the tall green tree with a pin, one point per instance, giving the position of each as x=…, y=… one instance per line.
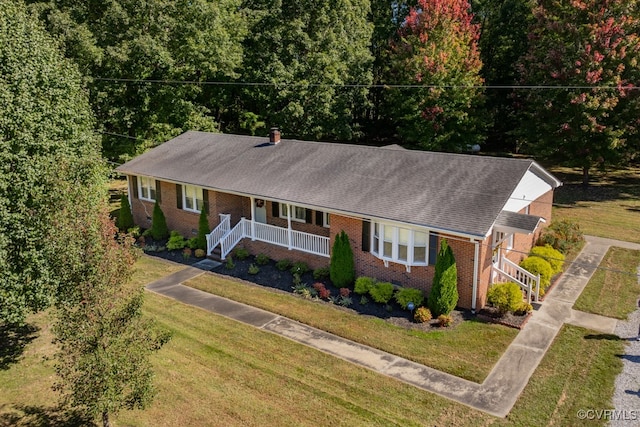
x=586, y=52
x=48, y=153
x=444, y=290
x=503, y=39
x=437, y=50
x=307, y=53
x=157, y=40
x=104, y=342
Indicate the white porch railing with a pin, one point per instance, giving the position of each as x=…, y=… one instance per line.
x=508, y=270
x=291, y=239
x=213, y=238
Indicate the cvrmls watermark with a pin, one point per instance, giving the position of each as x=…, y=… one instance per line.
x=609, y=414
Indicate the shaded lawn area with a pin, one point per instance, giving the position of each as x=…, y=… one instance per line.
x=613, y=289
x=468, y=350
x=609, y=207
x=216, y=371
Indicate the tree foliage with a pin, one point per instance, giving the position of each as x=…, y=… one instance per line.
x=160, y=40
x=47, y=148
x=304, y=49
x=437, y=48
x=104, y=342
x=444, y=291
x=342, y=267
x=592, y=45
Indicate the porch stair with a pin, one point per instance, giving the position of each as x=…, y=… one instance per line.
x=506, y=270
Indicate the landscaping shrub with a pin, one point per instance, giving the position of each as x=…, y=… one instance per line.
x=159, y=229
x=193, y=243
x=253, y=269
x=342, y=267
x=445, y=320
x=536, y=265
x=363, y=284
x=505, y=296
x=553, y=256
x=444, y=292
x=283, y=264
x=262, y=259
x=186, y=253
x=406, y=295
x=344, y=292
x=199, y=253
x=345, y=301
x=364, y=300
x=241, y=253
x=203, y=230
x=422, y=315
x=563, y=235
x=523, y=308
x=321, y=273
x=381, y=292
x=176, y=241
x=322, y=291
x=230, y=265
x=125, y=217
x=299, y=267
x=304, y=291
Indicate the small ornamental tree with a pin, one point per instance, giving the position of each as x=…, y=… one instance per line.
x=444, y=292
x=159, y=229
x=342, y=268
x=125, y=217
x=203, y=230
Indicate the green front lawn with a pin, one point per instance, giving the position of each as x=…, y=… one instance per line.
x=613, y=288
x=468, y=350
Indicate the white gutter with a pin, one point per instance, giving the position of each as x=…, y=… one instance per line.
x=476, y=265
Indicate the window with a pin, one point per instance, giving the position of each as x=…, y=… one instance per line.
x=147, y=188
x=297, y=213
x=192, y=198
x=326, y=220
x=403, y=245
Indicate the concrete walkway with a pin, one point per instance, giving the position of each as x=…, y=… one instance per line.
x=500, y=390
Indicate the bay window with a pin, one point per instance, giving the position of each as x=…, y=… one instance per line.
x=403, y=245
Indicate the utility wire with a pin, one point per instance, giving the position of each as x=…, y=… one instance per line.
x=368, y=85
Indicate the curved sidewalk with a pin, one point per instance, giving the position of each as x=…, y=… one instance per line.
x=499, y=391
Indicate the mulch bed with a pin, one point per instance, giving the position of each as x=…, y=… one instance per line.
x=271, y=277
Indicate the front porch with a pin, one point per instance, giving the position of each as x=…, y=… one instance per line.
x=227, y=237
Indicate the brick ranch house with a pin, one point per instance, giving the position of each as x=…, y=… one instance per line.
x=289, y=199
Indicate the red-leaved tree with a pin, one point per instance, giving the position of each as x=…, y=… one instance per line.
x=589, y=50
x=437, y=48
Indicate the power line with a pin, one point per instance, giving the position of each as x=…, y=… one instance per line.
x=363, y=85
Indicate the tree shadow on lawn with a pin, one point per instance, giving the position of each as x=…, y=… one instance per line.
x=14, y=339
x=621, y=184
x=42, y=416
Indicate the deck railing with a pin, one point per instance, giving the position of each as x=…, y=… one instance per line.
x=292, y=239
x=508, y=270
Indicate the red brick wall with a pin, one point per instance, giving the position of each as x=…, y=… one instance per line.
x=523, y=243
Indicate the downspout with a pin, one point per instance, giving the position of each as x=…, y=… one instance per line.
x=253, y=218
x=129, y=192
x=476, y=265
x=289, y=226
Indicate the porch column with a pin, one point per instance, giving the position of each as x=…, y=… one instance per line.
x=253, y=218
x=289, y=239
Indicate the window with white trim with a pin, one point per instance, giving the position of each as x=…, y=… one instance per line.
x=192, y=199
x=147, y=188
x=297, y=213
x=325, y=221
x=403, y=245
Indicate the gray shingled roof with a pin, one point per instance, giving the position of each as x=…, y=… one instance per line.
x=517, y=221
x=447, y=192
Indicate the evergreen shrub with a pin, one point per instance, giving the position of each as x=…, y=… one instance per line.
x=536, y=265
x=444, y=291
x=125, y=217
x=554, y=257
x=159, y=229
x=381, y=292
x=406, y=295
x=342, y=266
x=505, y=296
x=363, y=284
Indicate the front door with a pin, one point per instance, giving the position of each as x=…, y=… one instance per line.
x=261, y=213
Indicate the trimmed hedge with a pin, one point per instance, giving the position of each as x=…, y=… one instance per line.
x=505, y=296
x=381, y=292
x=363, y=284
x=406, y=295
x=536, y=265
x=554, y=257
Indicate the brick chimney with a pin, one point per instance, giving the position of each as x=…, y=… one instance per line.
x=274, y=135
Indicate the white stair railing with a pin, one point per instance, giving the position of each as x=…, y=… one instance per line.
x=213, y=238
x=231, y=239
x=508, y=270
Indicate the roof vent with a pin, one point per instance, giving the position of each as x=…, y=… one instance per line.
x=274, y=135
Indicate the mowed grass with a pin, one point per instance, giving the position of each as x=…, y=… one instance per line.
x=216, y=371
x=468, y=350
x=609, y=207
x=613, y=289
